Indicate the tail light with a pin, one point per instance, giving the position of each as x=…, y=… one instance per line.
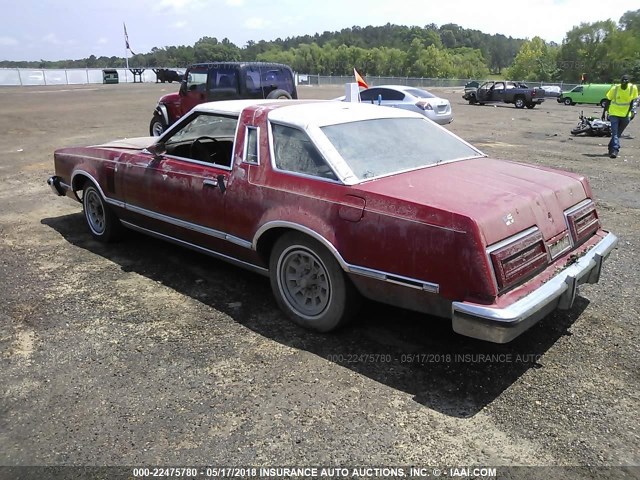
x=582, y=220
x=518, y=258
x=424, y=105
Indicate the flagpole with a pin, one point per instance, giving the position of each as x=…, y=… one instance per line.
x=126, y=74
x=126, y=53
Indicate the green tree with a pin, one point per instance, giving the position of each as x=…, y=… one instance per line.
x=534, y=61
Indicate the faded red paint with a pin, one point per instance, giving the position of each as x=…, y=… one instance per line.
x=432, y=224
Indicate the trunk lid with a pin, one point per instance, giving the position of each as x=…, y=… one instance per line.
x=502, y=197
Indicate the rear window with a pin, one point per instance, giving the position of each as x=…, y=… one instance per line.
x=383, y=146
x=418, y=92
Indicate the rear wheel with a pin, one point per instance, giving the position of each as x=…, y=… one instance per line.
x=279, y=94
x=519, y=102
x=604, y=102
x=309, y=285
x=102, y=222
x=567, y=101
x=157, y=126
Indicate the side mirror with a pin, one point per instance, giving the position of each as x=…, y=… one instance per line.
x=157, y=150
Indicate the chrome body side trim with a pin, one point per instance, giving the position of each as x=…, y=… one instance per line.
x=501, y=325
x=347, y=267
x=221, y=256
x=188, y=225
x=392, y=278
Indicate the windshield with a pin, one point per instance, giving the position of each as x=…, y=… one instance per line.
x=205, y=125
x=383, y=146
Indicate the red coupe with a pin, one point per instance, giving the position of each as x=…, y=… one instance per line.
x=337, y=201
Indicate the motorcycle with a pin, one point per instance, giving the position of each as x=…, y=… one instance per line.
x=592, y=127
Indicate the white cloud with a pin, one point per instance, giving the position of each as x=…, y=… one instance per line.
x=103, y=40
x=8, y=41
x=256, y=23
x=177, y=5
x=180, y=24
x=235, y=3
x=52, y=39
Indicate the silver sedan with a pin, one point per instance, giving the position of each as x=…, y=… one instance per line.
x=410, y=98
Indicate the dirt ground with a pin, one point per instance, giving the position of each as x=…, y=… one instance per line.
x=142, y=353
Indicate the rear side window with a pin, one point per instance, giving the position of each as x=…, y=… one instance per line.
x=294, y=152
x=276, y=78
x=223, y=78
x=371, y=95
x=251, y=146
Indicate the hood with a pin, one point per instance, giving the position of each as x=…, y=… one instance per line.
x=170, y=98
x=138, y=143
x=501, y=197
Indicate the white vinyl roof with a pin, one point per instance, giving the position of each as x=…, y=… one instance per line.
x=303, y=114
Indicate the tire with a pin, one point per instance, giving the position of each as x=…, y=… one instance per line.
x=519, y=102
x=279, y=94
x=579, y=130
x=567, y=102
x=103, y=224
x=603, y=103
x=157, y=126
x=309, y=285
x=530, y=105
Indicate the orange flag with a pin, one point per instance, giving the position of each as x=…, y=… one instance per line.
x=359, y=79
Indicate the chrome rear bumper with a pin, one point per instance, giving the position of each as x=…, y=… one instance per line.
x=501, y=325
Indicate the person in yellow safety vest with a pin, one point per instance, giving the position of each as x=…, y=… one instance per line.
x=621, y=107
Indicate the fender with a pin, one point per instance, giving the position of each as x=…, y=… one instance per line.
x=326, y=239
x=92, y=177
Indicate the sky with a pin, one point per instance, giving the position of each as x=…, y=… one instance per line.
x=75, y=29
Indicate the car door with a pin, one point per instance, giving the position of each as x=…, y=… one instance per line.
x=499, y=89
x=484, y=92
x=179, y=190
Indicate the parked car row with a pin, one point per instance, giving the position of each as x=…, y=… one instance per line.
x=336, y=202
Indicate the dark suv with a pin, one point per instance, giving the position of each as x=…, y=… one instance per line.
x=208, y=82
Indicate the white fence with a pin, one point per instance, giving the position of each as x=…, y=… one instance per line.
x=79, y=76
x=67, y=76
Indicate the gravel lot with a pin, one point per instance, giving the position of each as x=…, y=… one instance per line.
x=142, y=353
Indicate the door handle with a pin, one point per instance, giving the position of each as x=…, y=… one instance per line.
x=210, y=183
